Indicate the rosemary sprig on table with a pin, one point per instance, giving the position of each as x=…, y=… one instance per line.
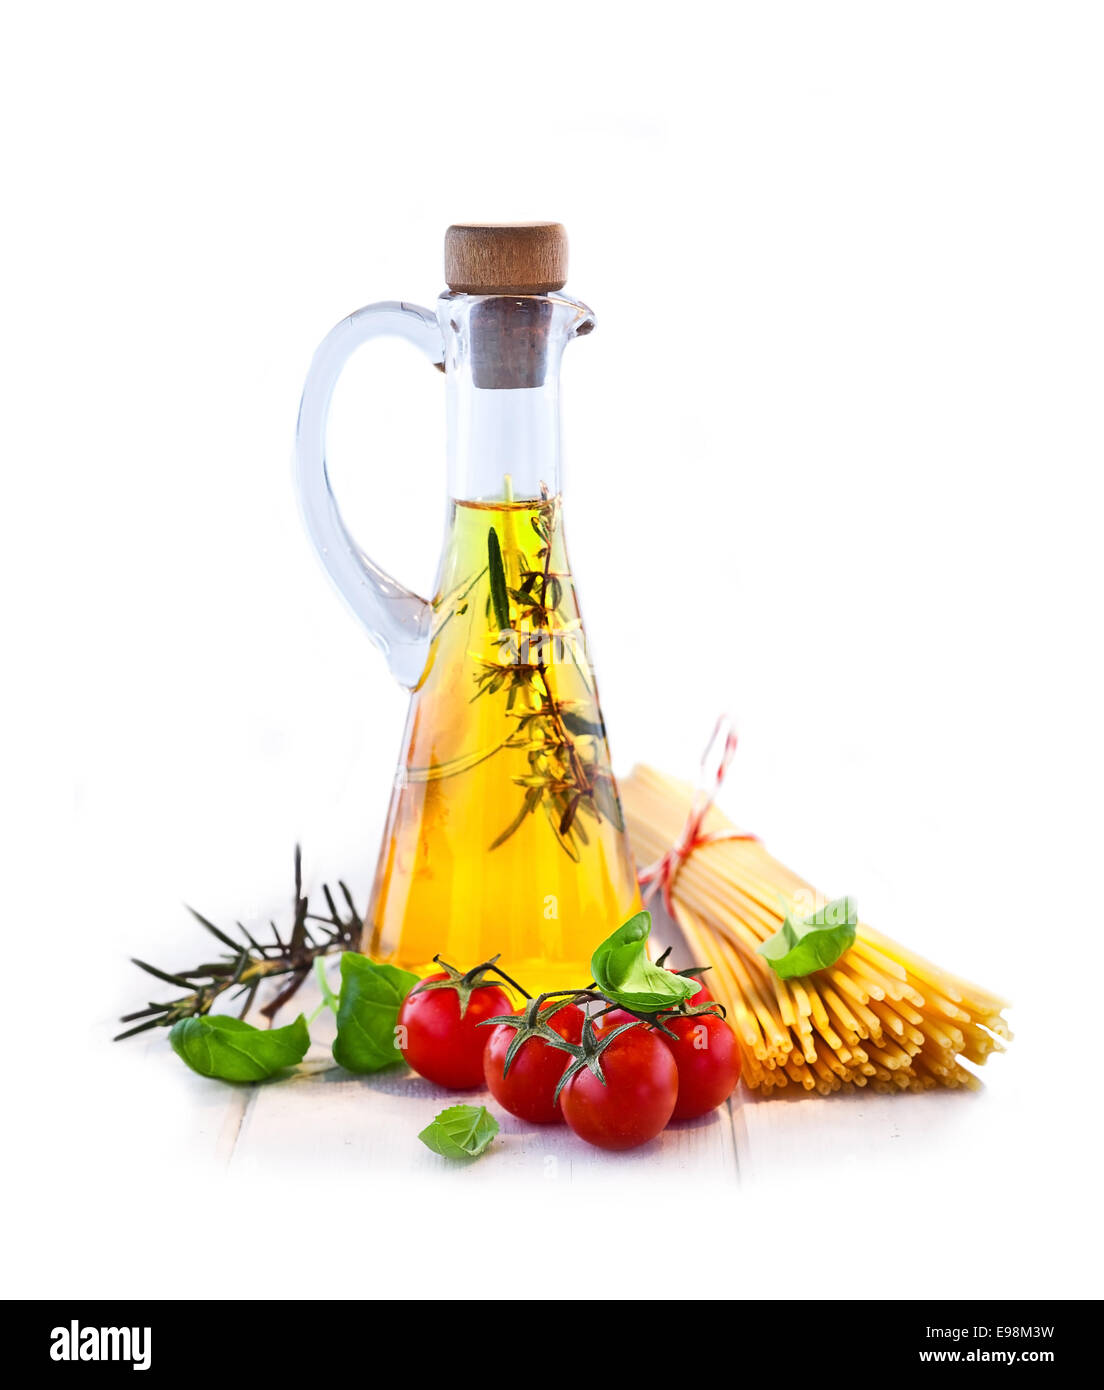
x=249, y=962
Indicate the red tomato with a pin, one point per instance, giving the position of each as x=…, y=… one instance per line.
x=528, y=1089
x=438, y=1043
x=704, y=994
x=708, y=1060
x=638, y=1097
x=605, y=1023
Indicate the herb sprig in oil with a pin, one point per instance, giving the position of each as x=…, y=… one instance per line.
x=569, y=777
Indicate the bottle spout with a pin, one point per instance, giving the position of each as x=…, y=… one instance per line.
x=584, y=321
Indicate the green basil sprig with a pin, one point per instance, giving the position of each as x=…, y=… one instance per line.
x=233, y=1050
x=812, y=943
x=367, y=1012
x=624, y=973
x=461, y=1131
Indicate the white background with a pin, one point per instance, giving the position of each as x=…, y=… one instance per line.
x=833, y=465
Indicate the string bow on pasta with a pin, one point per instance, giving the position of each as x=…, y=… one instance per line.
x=716, y=760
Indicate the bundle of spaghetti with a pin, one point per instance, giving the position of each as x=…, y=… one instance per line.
x=881, y=1016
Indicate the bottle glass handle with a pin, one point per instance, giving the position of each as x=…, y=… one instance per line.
x=397, y=620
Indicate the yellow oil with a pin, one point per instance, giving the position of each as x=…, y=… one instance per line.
x=505, y=831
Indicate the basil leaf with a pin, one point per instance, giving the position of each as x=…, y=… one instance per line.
x=233, y=1050
x=367, y=1011
x=813, y=943
x=624, y=973
x=461, y=1131
x=496, y=577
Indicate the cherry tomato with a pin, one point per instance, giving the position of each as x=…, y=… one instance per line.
x=438, y=1043
x=528, y=1089
x=708, y=1060
x=704, y=994
x=638, y=1097
x=606, y=1023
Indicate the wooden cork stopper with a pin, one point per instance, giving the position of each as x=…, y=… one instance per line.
x=506, y=257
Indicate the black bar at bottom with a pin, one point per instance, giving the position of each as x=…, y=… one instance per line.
x=247, y=1338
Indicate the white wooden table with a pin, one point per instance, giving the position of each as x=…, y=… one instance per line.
x=852, y=1196
x=322, y=1119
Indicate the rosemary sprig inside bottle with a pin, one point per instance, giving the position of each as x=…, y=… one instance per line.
x=568, y=776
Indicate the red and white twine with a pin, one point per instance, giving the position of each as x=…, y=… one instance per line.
x=716, y=760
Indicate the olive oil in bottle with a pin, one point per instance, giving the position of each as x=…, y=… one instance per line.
x=505, y=829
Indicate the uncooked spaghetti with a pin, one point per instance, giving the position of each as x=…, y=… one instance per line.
x=880, y=1017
